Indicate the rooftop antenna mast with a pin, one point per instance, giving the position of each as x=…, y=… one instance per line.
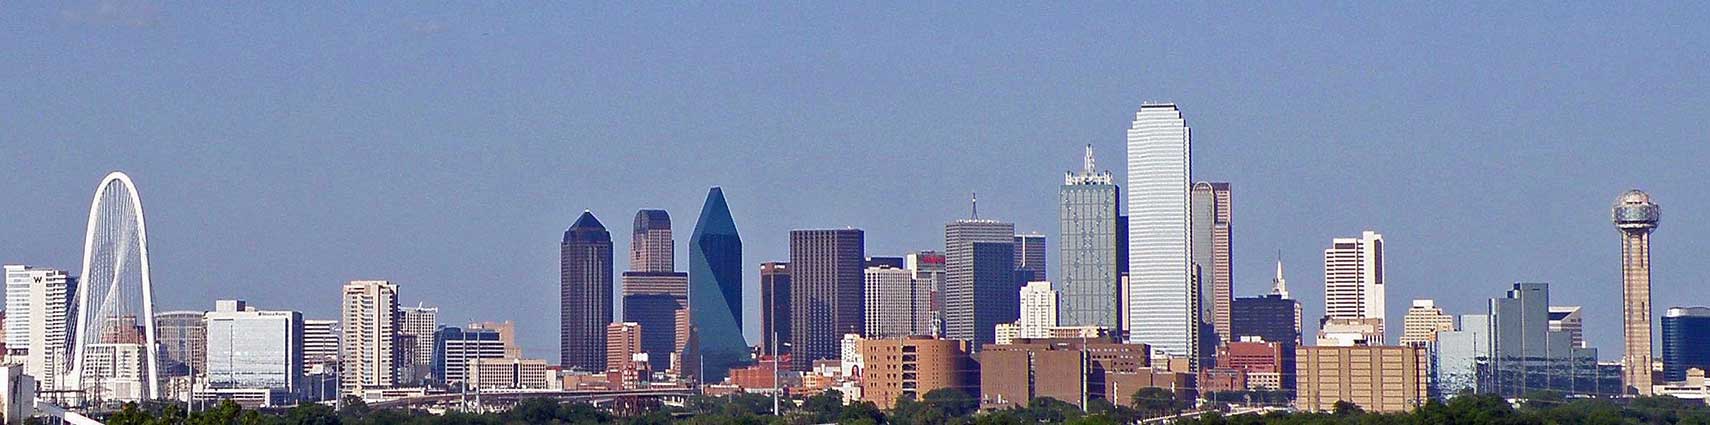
x=974, y=198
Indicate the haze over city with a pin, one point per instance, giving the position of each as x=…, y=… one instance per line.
x=281, y=153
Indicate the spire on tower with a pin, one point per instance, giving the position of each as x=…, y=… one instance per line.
x=974, y=199
x=1279, y=286
x=1088, y=164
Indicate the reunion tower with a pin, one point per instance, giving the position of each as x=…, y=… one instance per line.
x=1636, y=216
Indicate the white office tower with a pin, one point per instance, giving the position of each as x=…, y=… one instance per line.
x=1038, y=310
x=254, y=354
x=897, y=303
x=1161, y=307
x=370, y=320
x=320, y=359
x=37, y=307
x=1354, y=278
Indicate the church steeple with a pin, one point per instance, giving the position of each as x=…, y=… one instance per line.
x=1279, y=286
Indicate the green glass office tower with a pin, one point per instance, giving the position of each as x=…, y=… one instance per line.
x=716, y=343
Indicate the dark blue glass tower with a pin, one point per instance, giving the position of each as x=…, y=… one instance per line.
x=1686, y=341
x=716, y=343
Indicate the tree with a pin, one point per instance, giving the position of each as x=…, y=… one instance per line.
x=1154, y=402
x=1344, y=408
x=825, y=406
x=311, y=414
x=862, y=412
x=951, y=402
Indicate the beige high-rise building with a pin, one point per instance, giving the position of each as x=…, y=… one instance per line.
x=1211, y=215
x=418, y=323
x=623, y=342
x=1567, y=318
x=370, y=320
x=507, y=336
x=1636, y=216
x=1422, y=323
x=1354, y=278
x=1377, y=378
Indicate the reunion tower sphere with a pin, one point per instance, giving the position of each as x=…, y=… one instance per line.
x=1635, y=213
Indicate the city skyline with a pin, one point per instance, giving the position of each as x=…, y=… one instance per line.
x=349, y=193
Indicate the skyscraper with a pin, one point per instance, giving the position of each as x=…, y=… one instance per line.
x=1566, y=318
x=1636, y=216
x=455, y=348
x=1269, y=317
x=419, y=323
x=1354, y=277
x=896, y=303
x=38, y=319
x=116, y=276
x=370, y=319
x=623, y=342
x=928, y=268
x=1038, y=310
x=716, y=343
x=774, y=306
x=585, y=266
x=826, y=292
x=1162, y=298
x=655, y=295
x=255, y=349
x=1526, y=356
x=1088, y=211
x=1211, y=214
x=183, y=342
x=320, y=342
x=979, y=287
x=1030, y=258
x=1686, y=341
x=651, y=248
x=1422, y=323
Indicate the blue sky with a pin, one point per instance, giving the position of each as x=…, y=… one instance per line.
x=282, y=149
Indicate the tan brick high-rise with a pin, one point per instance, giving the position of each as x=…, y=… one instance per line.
x=1636, y=217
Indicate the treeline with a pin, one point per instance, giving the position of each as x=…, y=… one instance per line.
x=947, y=407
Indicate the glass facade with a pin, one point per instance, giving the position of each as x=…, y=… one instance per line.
x=1686, y=341
x=255, y=349
x=454, y=347
x=716, y=343
x=585, y=291
x=979, y=287
x=1512, y=351
x=1269, y=317
x=1161, y=307
x=1087, y=252
x=657, y=315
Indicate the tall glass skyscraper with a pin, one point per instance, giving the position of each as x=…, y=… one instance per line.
x=654, y=293
x=716, y=343
x=1088, y=208
x=1686, y=341
x=1162, y=300
x=826, y=287
x=585, y=266
x=1211, y=214
x=979, y=288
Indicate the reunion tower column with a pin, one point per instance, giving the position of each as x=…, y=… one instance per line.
x=1636, y=217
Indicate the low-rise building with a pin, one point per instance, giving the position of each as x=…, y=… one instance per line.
x=1073, y=370
x=1376, y=378
x=913, y=366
